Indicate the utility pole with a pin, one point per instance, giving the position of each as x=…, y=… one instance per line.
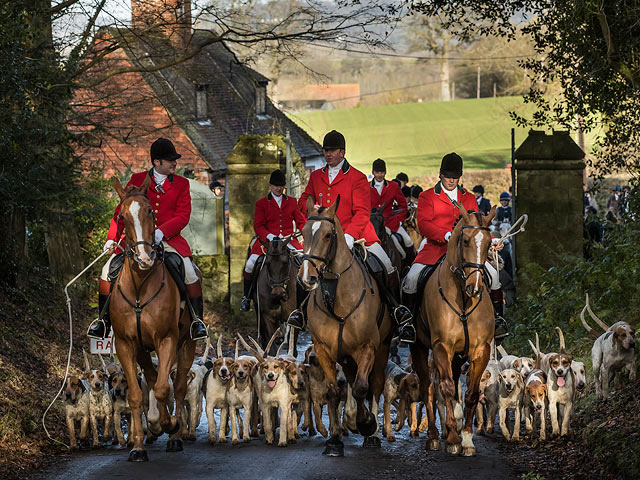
x=478, y=83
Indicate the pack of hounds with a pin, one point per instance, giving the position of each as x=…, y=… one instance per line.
x=254, y=394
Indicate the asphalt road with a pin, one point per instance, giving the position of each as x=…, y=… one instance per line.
x=406, y=458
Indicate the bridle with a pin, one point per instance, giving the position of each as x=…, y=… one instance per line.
x=460, y=273
x=280, y=283
x=331, y=252
x=130, y=249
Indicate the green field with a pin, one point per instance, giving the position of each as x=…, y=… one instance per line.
x=414, y=137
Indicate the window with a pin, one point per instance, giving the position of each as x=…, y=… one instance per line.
x=261, y=98
x=202, y=110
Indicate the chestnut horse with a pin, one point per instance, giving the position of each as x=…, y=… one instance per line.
x=457, y=323
x=411, y=225
x=387, y=243
x=145, y=314
x=276, y=289
x=348, y=322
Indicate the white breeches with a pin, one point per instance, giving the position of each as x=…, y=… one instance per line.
x=379, y=252
x=189, y=272
x=251, y=263
x=406, y=239
x=410, y=282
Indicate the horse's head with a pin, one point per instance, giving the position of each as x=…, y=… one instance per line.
x=277, y=265
x=377, y=220
x=468, y=248
x=139, y=222
x=322, y=235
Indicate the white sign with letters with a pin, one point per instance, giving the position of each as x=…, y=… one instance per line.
x=102, y=346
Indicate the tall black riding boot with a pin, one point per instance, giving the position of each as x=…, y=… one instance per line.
x=402, y=314
x=501, y=328
x=245, y=304
x=410, y=253
x=198, y=329
x=101, y=326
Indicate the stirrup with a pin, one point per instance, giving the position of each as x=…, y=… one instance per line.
x=201, y=332
x=407, y=333
x=402, y=315
x=500, y=323
x=94, y=325
x=245, y=304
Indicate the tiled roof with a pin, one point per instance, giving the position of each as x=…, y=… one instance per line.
x=231, y=97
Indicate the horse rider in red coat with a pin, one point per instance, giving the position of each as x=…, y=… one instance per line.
x=274, y=217
x=170, y=200
x=437, y=216
x=386, y=193
x=338, y=178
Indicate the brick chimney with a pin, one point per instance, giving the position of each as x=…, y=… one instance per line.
x=171, y=17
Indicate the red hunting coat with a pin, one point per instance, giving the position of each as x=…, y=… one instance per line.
x=355, y=202
x=172, y=210
x=390, y=192
x=269, y=218
x=436, y=217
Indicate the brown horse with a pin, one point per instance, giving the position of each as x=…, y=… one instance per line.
x=349, y=324
x=387, y=243
x=456, y=295
x=276, y=289
x=145, y=313
x=411, y=225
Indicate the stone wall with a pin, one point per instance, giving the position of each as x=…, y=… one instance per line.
x=549, y=189
x=249, y=166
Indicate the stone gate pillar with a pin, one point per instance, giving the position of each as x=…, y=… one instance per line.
x=549, y=170
x=249, y=166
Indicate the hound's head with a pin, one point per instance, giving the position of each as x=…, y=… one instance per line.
x=118, y=385
x=537, y=392
x=243, y=368
x=410, y=387
x=524, y=365
x=96, y=380
x=510, y=379
x=270, y=371
x=222, y=367
x=579, y=374
x=73, y=389
x=624, y=335
x=560, y=363
x=297, y=375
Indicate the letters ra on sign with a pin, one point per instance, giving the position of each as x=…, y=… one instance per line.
x=102, y=346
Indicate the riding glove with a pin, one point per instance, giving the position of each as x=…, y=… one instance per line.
x=108, y=245
x=158, y=235
x=271, y=236
x=447, y=236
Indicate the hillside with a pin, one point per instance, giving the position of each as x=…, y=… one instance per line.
x=414, y=137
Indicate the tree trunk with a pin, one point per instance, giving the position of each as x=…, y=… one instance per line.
x=445, y=92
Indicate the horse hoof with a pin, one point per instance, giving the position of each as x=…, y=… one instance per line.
x=454, y=448
x=414, y=433
x=368, y=427
x=433, y=445
x=174, y=445
x=371, y=442
x=333, y=448
x=138, y=456
x=468, y=452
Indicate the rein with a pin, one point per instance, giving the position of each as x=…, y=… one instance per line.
x=129, y=254
x=460, y=273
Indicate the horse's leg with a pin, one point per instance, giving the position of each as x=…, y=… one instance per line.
x=364, y=358
x=127, y=355
x=376, y=379
x=334, y=446
x=478, y=364
x=166, y=357
x=185, y=360
x=420, y=358
x=442, y=360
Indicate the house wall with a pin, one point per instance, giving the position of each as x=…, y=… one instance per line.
x=122, y=117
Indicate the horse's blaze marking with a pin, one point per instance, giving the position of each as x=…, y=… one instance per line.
x=134, y=209
x=478, y=238
x=314, y=228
